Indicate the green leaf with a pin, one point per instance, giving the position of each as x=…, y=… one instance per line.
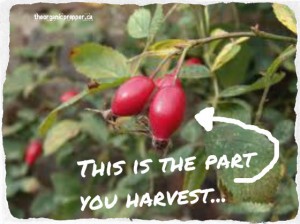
x=95, y=127
x=241, y=40
x=156, y=21
x=191, y=131
x=259, y=84
x=284, y=131
x=132, y=180
x=214, y=44
x=271, y=115
x=166, y=47
x=52, y=116
x=25, y=117
x=194, y=179
x=53, y=25
x=43, y=204
x=16, y=170
x=99, y=62
x=270, y=78
x=12, y=186
x=194, y=72
x=287, y=53
x=236, y=109
x=183, y=152
x=65, y=194
x=12, y=129
x=139, y=23
x=18, y=80
x=287, y=199
x=59, y=135
x=14, y=149
x=227, y=139
x=16, y=212
x=228, y=52
x=24, y=184
x=249, y=208
x=286, y=16
x=236, y=71
x=29, y=185
x=68, y=210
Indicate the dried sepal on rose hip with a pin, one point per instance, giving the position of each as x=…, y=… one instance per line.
x=33, y=152
x=166, y=114
x=132, y=96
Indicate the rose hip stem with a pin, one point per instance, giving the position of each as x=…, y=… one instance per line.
x=180, y=63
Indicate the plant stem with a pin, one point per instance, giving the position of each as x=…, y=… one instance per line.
x=198, y=21
x=180, y=62
x=216, y=89
x=254, y=33
x=170, y=12
x=261, y=105
x=270, y=72
x=235, y=15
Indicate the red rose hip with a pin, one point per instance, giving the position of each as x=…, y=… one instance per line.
x=132, y=96
x=33, y=151
x=66, y=96
x=193, y=61
x=166, y=112
x=167, y=80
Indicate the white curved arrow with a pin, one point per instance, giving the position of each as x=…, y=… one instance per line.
x=206, y=118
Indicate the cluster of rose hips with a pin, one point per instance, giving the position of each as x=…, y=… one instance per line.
x=163, y=98
x=166, y=100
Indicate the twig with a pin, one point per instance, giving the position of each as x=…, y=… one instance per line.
x=261, y=105
x=216, y=89
x=180, y=62
x=255, y=33
x=170, y=12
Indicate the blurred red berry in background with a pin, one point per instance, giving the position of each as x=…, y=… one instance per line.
x=193, y=61
x=33, y=151
x=66, y=96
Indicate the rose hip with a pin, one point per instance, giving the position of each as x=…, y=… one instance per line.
x=166, y=112
x=132, y=96
x=167, y=80
x=66, y=96
x=33, y=151
x=193, y=61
